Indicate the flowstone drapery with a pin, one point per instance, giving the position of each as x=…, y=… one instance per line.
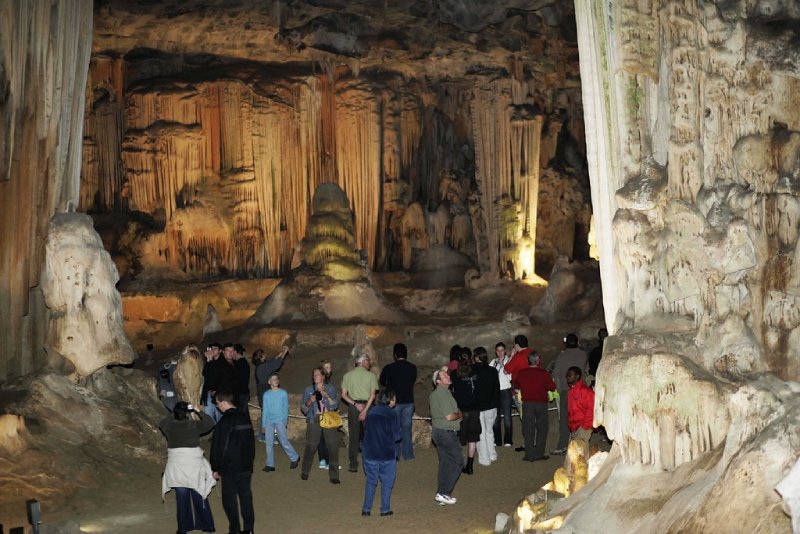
x=692, y=136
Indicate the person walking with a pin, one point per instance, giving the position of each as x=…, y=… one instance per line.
x=534, y=383
x=505, y=438
x=571, y=356
x=187, y=470
x=358, y=392
x=381, y=432
x=274, y=419
x=232, y=453
x=445, y=418
x=318, y=398
x=488, y=399
x=400, y=377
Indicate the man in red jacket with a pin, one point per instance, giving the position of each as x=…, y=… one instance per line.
x=580, y=406
x=519, y=356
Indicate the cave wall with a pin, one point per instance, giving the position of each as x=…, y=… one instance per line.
x=693, y=136
x=44, y=56
x=437, y=134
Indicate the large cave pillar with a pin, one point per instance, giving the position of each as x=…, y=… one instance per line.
x=44, y=59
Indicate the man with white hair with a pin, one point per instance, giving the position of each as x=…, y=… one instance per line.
x=358, y=392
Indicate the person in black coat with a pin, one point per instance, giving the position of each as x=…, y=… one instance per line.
x=465, y=391
x=232, y=454
x=488, y=400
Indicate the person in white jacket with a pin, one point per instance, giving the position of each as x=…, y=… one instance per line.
x=187, y=470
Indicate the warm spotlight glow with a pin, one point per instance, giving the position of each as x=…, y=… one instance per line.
x=594, y=250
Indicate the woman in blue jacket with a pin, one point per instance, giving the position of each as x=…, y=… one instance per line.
x=318, y=398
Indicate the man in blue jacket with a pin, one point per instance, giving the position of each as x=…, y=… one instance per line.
x=381, y=432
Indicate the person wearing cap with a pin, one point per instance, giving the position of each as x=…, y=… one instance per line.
x=571, y=356
x=445, y=423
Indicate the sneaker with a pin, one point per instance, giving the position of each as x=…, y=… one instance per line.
x=444, y=499
x=323, y=464
x=268, y=469
x=559, y=452
x=507, y=445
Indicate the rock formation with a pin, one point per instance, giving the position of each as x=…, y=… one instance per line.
x=85, y=309
x=692, y=135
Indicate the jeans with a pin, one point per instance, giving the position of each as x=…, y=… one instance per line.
x=384, y=471
x=563, y=423
x=406, y=445
x=236, y=487
x=506, y=401
x=451, y=461
x=211, y=410
x=535, y=424
x=486, y=452
x=279, y=428
x=194, y=512
x=313, y=433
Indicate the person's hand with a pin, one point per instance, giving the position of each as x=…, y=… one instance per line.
x=362, y=415
x=284, y=351
x=215, y=475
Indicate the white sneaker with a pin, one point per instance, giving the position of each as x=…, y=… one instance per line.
x=444, y=499
x=323, y=464
x=507, y=445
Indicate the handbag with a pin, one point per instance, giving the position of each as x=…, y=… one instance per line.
x=330, y=420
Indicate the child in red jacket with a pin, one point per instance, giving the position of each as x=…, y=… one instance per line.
x=580, y=406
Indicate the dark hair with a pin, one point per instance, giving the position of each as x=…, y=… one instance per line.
x=466, y=352
x=455, y=352
x=400, y=351
x=181, y=410
x=215, y=345
x=226, y=345
x=276, y=375
x=259, y=356
x=464, y=365
x=480, y=354
x=224, y=396
x=500, y=344
x=385, y=396
x=571, y=341
x=239, y=348
x=602, y=334
x=576, y=370
x=322, y=372
x=521, y=340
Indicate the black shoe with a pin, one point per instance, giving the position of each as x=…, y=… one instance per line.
x=335, y=481
x=384, y=514
x=545, y=457
x=364, y=513
x=353, y=469
x=468, y=468
x=268, y=469
x=519, y=449
x=294, y=464
x=304, y=477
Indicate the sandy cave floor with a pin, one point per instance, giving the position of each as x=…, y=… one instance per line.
x=284, y=503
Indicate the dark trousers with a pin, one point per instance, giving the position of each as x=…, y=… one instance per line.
x=322, y=449
x=451, y=461
x=563, y=424
x=194, y=513
x=236, y=494
x=241, y=403
x=534, y=428
x=355, y=429
x=313, y=434
x=504, y=408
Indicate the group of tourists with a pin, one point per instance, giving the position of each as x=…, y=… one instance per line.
x=470, y=406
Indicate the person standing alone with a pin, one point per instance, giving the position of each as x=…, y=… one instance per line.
x=400, y=377
x=232, y=453
x=274, y=419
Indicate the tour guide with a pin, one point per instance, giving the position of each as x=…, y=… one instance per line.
x=445, y=421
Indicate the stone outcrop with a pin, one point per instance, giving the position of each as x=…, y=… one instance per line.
x=84, y=306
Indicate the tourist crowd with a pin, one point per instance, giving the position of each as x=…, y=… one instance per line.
x=471, y=409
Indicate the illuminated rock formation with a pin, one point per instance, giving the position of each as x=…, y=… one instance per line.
x=78, y=283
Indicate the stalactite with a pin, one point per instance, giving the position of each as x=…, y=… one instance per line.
x=358, y=153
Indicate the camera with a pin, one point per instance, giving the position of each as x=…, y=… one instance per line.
x=318, y=395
